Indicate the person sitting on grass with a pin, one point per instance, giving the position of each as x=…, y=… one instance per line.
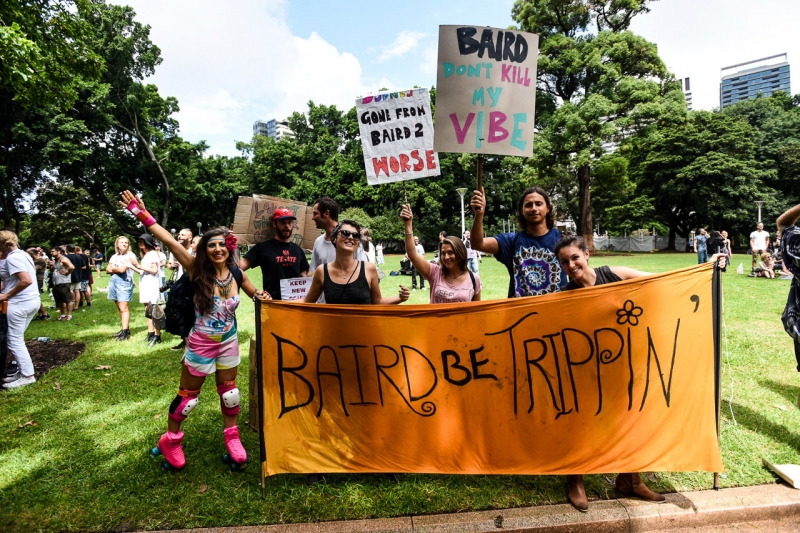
x=450, y=280
x=212, y=346
x=766, y=266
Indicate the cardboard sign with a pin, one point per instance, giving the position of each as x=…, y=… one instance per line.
x=486, y=90
x=252, y=222
x=613, y=378
x=295, y=288
x=397, y=136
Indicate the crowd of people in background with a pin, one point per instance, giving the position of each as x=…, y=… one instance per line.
x=767, y=261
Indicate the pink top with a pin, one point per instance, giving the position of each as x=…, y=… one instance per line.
x=444, y=292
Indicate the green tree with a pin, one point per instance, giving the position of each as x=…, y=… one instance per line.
x=607, y=80
x=701, y=171
x=776, y=133
x=45, y=53
x=63, y=215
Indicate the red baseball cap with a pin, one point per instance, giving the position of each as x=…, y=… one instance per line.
x=282, y=213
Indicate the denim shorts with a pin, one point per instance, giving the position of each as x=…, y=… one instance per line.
x=120, y=290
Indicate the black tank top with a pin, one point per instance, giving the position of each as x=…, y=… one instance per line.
x=356, y=292
x=604, y=275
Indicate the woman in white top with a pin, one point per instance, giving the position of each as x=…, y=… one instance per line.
x=149, y=283
x=121, y=267
x=20, y=291
x=366, y=242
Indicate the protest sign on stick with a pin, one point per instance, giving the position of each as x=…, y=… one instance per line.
x=485, y=90
x=397, y=136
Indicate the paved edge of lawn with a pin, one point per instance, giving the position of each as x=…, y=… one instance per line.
x=681, y=510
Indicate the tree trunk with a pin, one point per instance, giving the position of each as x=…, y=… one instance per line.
x=585, y=206
x=671, y=245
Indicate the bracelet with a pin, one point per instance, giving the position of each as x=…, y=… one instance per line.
x=409, y=234
x=143, y=216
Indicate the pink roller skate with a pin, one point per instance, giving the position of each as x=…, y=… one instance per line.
x=169, y=445
x=236, y=456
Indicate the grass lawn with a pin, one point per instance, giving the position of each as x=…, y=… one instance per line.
x=84, y=465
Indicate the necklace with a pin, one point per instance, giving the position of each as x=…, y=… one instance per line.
x=224, y=285
x=344, y=272
x=453, y=278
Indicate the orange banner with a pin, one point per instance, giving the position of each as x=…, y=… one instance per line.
x=615, y=378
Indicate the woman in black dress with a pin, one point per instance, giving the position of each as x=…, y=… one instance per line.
x=345, y=280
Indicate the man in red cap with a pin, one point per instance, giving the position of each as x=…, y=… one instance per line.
x=279, y=258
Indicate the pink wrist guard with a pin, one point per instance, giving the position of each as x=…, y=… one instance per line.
x=143, y=216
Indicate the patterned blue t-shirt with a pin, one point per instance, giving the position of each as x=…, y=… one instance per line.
x=531, y=263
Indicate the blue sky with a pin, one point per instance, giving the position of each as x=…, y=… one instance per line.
x=231, y=63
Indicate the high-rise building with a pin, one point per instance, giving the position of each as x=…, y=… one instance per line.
x=747, y=80
x=687, y=92
x=277, y=129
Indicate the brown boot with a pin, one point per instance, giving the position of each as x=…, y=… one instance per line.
x=632, y=485
x=576, y=493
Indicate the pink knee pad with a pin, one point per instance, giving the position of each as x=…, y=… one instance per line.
x=228, y=398
x=182, y=405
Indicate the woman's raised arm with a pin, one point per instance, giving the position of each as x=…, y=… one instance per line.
x=135, y=205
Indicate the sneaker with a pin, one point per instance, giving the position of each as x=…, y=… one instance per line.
x=62, y=318
x=11, y=368
x=150, y=335
x=21, y=382
x=68, y=317
x=117, y=334
x=13, y=377
x=179, y=347
x=124, y=335
x=155, y=340
x=88, y=305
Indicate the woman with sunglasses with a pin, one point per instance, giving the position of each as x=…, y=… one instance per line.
x=345, y=280
x=212, y=346
x=450, y=280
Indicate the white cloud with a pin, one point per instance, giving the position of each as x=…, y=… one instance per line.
x=232, y=64
x=320, y=73
x=430, y=57
x=406, y=41
x=208, y=115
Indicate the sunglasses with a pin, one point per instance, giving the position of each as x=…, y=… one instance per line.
x=348, y=234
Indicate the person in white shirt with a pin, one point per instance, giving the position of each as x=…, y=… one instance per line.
x=759, y=242
x=414, y=272
x=149, y=283
x=366, y=242
x=18, y=274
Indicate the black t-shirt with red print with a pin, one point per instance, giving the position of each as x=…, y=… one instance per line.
x=278, y=260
